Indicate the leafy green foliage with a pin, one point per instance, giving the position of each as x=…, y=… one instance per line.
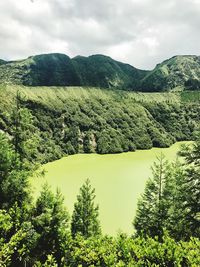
x=26, y=138
x=125, y=251
x=65, y=121
x=190, y=187
x=50, y=221
x=50, y=262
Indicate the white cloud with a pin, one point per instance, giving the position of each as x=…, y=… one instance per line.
x=139, y=32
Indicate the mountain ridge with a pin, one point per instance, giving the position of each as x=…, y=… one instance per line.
x=181, y=72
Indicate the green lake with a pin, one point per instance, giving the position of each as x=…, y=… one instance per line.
x=119, y=179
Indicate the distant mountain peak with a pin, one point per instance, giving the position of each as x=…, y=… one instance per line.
x=178, y=73
x=57, y=69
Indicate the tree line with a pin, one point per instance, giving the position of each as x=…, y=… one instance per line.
x=103, y=122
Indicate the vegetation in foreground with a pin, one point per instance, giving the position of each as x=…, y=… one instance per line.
x=41, y=234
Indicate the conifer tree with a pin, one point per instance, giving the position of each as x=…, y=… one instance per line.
x=172, y=198
x=85, y=215
x=175, y=221
x=51, y=224
x=152, y=210
x=15, y=202
x=190, y=187
x=13, y=179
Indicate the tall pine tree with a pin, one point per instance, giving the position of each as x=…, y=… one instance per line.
x=85, y=215
x=153, y=206
x=190, y=187
x=172, y=198
x=14, y=187
x=51, y=221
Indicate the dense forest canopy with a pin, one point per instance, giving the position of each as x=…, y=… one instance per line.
x=70, y=120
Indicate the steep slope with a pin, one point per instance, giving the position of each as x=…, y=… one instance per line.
x=179, y=72
x=2, y=61
x=103, y=71
x=49, y=69
x=176, y=73
x=69, y=120
x=60, y=70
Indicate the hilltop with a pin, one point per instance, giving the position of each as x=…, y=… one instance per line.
x=60, y=70
x=176, y=73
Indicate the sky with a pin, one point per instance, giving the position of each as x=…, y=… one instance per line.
x=142, y=33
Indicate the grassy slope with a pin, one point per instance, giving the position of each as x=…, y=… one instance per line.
x=55, y=97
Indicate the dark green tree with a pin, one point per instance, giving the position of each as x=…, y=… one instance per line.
x=85, y=215
x=172, y=198
x=15, y=206
x=176, y=223
x=191, y=153
x=152, y=210
x=25, y=136
x=190, y=187
x=87, y=146
x=51, y=224
x=71, y=138
x=14, y=186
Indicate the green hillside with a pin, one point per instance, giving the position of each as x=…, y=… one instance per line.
x=60, y=70
x=70, y=120
x=2, y=62
x=103, y=71
x=177, y=73
x=54, y=69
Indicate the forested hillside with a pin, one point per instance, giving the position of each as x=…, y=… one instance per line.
x=60, y=70
x=176, y=73
x=76, y=120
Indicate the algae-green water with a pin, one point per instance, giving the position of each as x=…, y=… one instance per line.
x=119, y=179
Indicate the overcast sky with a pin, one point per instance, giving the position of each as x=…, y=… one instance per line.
x=139, y=32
